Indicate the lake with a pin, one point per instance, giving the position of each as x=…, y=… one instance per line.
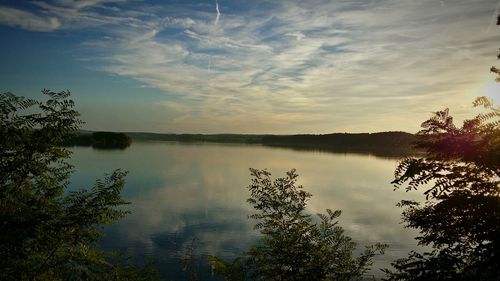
x=187, y=195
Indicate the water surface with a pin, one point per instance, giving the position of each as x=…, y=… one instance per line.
x=196, y=193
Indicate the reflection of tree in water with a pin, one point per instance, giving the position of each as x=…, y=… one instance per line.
x=461, y=216
x=180, y=254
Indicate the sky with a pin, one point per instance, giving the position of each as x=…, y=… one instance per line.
x=258, y=67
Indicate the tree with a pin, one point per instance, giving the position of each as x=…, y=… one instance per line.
x=100, y=140
x=46, y=232
x=293, y=246
x=461, y=217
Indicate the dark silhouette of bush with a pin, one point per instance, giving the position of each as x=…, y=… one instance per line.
x=460, y=219
x=293, y=246
x=47, y=233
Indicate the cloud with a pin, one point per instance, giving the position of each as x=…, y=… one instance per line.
x=82, y=4
x=90, y=14
x=293, y=66
x=218, y=12
x=26, y=20
x=304, y=64
x=298, y=35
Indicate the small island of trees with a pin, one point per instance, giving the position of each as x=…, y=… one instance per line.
x=100, y=140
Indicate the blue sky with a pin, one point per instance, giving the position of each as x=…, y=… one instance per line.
x=253, y=66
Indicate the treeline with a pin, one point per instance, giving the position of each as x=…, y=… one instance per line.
x=218, y=138
x=389, y=144
x=383, y=143
x=100, y=140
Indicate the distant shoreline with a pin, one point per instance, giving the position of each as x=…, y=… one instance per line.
x=386, y=144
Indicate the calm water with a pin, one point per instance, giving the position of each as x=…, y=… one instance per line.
x=182, y=193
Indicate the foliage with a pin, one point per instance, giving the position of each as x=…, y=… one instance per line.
x=460, y=174
x=460, y=218
x=385, y=144
x=493, y=68
x=110, y=140
x=293, y=246
x=45, y=233
x=100, y=140
x=187, y=257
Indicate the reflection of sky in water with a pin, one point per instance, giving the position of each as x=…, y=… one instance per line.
x=185, y=191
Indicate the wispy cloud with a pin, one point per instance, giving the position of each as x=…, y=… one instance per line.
x=291, y=66
x=218, y=11
x=27, y=20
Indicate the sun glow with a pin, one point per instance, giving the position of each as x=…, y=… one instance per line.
x=492, y=91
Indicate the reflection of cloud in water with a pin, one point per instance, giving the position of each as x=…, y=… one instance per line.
x=199, y=191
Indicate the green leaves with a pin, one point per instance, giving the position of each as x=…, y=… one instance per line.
x=293, y=245
x=46, y=235
x=460, y=178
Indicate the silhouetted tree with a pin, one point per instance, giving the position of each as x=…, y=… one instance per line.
x=46, y=232
x=107, y=140
x=293, y=246
x=461, y=217
x=100, y=140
